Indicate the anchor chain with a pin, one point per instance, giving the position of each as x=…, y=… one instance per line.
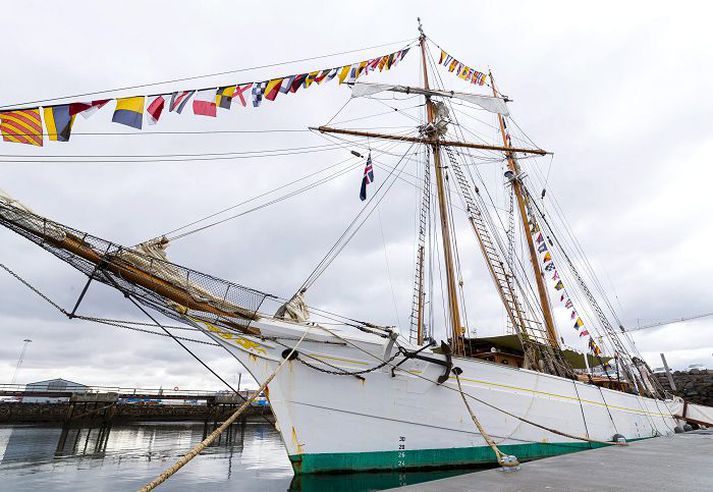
x=342, y=372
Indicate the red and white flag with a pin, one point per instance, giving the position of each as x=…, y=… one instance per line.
x=86, y=109
x=179, y=101
x=240, y=91
x=153, y=112
x=204, y=103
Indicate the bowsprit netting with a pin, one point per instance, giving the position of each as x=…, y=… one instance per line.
x=142, y=272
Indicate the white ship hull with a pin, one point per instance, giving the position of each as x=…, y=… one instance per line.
x=405, y=420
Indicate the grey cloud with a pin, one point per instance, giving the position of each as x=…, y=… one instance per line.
x=620, y=93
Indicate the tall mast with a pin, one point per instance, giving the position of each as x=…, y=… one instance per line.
x=454, y=309
x=514, y=167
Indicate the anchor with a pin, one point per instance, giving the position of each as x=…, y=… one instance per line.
x=416, y=354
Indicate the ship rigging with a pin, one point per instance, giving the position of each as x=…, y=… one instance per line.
x=404, y=363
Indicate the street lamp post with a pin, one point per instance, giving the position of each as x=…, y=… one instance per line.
x=20, y=359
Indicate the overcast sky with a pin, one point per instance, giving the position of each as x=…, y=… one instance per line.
x=621, y=92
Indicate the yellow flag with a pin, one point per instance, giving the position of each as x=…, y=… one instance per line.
x=361, y=68
x=343, y=73
x=272, y=89
x=310, y=78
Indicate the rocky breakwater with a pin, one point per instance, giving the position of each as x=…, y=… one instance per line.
x=695, y=386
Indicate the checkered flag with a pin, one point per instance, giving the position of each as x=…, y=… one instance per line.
x=258, y=92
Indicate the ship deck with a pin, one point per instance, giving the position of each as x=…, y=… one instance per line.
x=681, y=462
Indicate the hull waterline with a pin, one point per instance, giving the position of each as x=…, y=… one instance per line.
x=403, y=419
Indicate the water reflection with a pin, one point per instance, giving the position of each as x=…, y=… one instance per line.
x=248, y=456
x=367, y=481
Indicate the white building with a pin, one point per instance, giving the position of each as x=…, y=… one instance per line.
x=50, y=386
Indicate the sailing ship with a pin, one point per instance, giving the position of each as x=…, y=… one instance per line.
x=357, y=395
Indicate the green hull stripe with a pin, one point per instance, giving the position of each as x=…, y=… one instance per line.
x=427, y=458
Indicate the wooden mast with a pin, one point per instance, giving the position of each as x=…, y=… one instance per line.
x=456, y=328
x=514, y=167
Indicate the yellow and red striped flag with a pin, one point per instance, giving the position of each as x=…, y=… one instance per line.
x=22, y=126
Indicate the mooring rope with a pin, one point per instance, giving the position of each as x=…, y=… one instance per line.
x=168, y=472
x=503, y=459
x=490, y=405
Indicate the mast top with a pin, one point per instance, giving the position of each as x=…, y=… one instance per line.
x=420, y=28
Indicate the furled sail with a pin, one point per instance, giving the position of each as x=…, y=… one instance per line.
x=142, y=272
x=488, y=103
x=295, y=309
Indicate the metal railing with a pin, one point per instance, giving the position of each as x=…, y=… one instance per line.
x=12, y=389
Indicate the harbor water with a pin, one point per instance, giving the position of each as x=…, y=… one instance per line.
x=248, y=457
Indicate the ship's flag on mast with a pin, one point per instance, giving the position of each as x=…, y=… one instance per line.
x=400, y=56
x=204, y=103
x=343, y=72
x=297, y=82
x=332, y=73
x=87, y=109
x=368, y=178
x=58, y=121
x=224, y=96
x=154, y=110
x=354, y=71
x=322, y=76
x=258, y=92
x=272, y=89
x=240, y=91
x=373, y=64
x=311, y=76
x=22, y=126
x=360, y=69
x=286, y=85
x=179, y=100
x=129, y=111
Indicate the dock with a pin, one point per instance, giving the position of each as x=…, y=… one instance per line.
x=681, y=462
x=101, y=404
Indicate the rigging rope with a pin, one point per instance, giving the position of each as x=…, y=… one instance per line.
x=102, y=321
x=291, y=194
x=353, y=227
x=214, y=435
x=388, y=268
x=116, y=158
x=111, y=323
x=528, y=295
x=197, y=77
x=483, y=402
